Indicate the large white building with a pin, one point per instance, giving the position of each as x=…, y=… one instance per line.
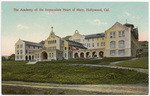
x=118, y=41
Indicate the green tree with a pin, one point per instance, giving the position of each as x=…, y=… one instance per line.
x=3, y=58
x=11, y=57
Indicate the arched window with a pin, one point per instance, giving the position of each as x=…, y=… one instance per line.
x=121, y=44
x=112, y=44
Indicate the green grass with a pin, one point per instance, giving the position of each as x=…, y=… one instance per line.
x=13, y=62
x=105, y=63
x=139, y=63
x=85, y=61
x=67, y=74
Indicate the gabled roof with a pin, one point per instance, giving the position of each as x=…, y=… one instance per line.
x=99, y=35
x=32, y=43
x=75, y=44
x=117, y=23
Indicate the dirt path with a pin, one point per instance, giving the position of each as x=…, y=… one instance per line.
x=101, y=88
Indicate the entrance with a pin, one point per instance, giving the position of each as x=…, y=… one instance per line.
x=44, y=56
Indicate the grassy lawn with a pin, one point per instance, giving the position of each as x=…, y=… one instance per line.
x=141, y=62
x=13, y=62
x=86, y=61
x=65, y=73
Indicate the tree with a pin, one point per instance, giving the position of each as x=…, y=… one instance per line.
x=11, y=57
x=3, y=58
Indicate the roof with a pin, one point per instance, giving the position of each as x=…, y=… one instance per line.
x=75, y=44
x=42, y=42
x=99, y=35
x=32, y=43
x=128, y=25
x=66, y=38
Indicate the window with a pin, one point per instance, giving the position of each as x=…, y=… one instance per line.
x=51, y=35
x=17, y=57
x=112, y=44
x=112, y=34
x=65, y=55
x=17, y=51
x=17, y=46
x=52, y=54
x=121, y=52
x=35, y=56
x=102, y=38
x=97, y=44
x=89, y=44
x=38, y=55
x=49, y=54
x=92, y=44
x=65, y=48
x=112, y=52
x=92, y=39
x=20, y=57
x=26, y=51
x=20, y=51
x=121, y=33
x=21, y=46
x=101, y=43
x=121, y=44
x=88, y=40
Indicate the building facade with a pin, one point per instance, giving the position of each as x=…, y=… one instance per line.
x=118, y=41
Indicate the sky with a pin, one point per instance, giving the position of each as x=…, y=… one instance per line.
x=36, y=26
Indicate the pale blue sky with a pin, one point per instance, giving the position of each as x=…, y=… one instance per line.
x=35, y=26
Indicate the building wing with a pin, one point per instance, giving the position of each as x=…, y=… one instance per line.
x=33, y=43
x=75, y=44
